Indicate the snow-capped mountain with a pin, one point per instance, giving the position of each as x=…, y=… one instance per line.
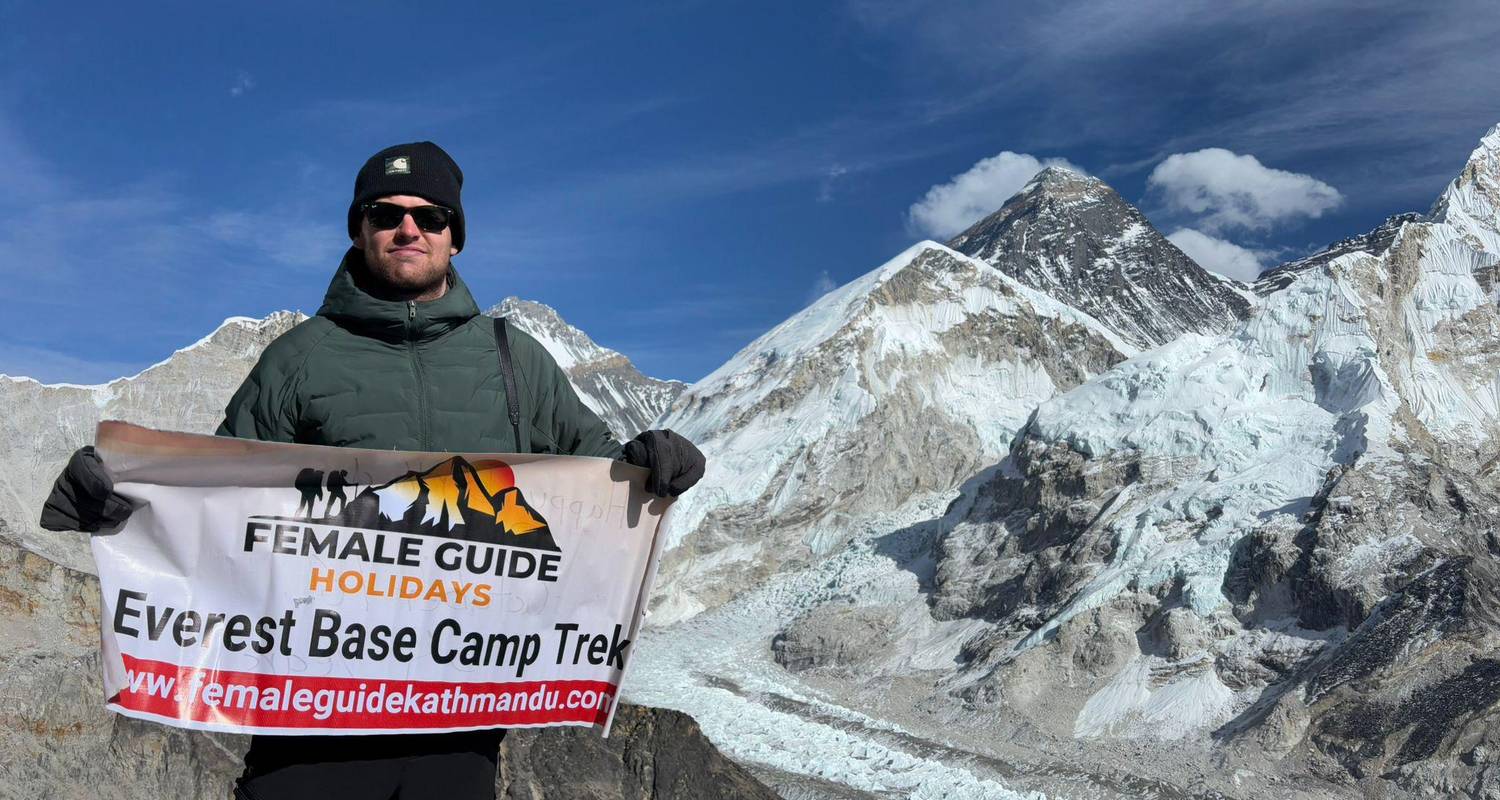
x=1256, y=559
x=1279, y=537
x=1074, y=238
x=606, y=381
x=885, y=393
x=1071, y=515
x=44, y=423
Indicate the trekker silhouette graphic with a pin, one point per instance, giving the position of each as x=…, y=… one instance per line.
x=310, y=484
x=337, y=480
x=454, y=498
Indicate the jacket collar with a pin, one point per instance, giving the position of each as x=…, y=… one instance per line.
x=393, y=320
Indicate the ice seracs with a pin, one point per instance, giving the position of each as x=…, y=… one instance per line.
x=1183, y=525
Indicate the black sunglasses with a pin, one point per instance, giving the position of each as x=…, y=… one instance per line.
x=384, y=216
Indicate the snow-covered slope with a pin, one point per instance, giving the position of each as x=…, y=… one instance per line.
x=1374, y=243
x=44, y=423
x=1072, y=237
x=889, y=391
x=606, y=381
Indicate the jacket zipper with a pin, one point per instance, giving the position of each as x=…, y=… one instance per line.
x=416, y=368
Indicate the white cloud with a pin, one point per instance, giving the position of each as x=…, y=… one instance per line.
x=1230, y=190
x=1216, y=255
x=243, y=82
x=285, y=236
x=822, y=285
x=1327, y=76
x=831, y=177
x=949, y=208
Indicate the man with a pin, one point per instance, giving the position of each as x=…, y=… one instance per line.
x=398, y=357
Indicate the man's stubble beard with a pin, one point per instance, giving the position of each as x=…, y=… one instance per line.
x=387, y=283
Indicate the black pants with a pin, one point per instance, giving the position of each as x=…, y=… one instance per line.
x=460, y=766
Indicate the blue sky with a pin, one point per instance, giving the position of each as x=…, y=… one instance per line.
x=675, y=178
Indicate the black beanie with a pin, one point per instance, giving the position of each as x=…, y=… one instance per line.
x=418, y=168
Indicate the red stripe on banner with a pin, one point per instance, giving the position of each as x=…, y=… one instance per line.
x=251, y=700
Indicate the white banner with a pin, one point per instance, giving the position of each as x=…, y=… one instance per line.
x=294, y=589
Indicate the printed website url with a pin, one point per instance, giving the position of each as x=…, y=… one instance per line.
x=257, y=700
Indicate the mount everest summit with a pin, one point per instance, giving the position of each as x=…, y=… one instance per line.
x=1072, y=237
x=1050, y=510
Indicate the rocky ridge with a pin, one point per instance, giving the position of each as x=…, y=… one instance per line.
x=607, y=382
x=1373, y=243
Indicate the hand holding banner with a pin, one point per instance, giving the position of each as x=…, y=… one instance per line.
x=422, y=592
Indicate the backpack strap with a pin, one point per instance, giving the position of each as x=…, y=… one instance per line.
x=508, y=372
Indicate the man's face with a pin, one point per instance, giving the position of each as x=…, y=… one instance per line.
x=406, y=260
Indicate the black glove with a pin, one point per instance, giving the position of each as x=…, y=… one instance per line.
x=83, y=498
x=674, y=462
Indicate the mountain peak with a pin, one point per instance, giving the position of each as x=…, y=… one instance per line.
x=514, y=307
x=1374, y=242
x=1471, y=202
x=1055, y=176
x=609, y=384
x=1073, y=237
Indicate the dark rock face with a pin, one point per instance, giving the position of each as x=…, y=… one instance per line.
x=651, y=754
x=1074, y=238
x=1415, y=687
x=1375, y=242
x=1028, y=541
x=834, y=636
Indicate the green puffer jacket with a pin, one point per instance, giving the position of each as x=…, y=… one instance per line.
x=389, y=375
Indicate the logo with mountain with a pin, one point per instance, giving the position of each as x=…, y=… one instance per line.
x=456, y=499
